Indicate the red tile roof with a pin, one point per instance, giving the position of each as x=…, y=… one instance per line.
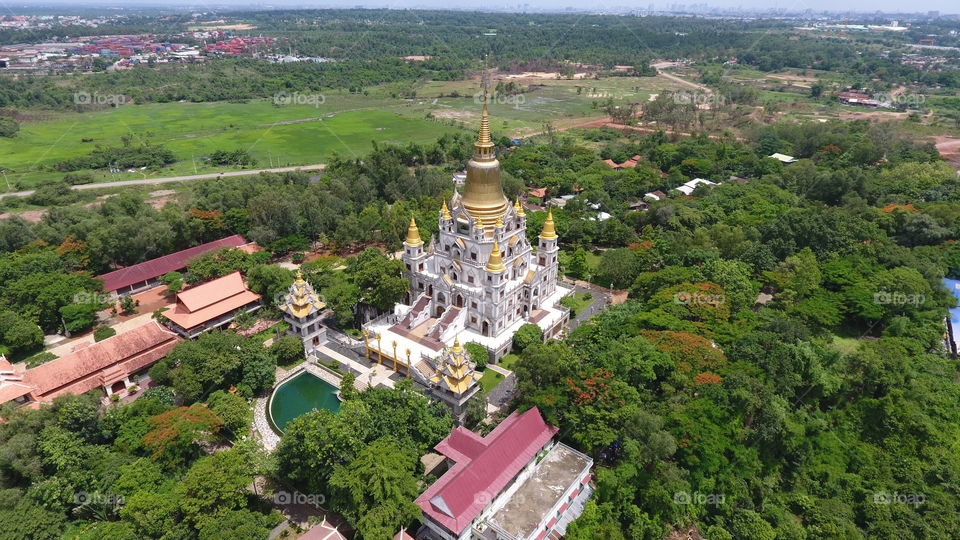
x=100, y=363
x=202, y=303
x=10, y=391
x=538, y=192
x=484, y=467
x=155, y=268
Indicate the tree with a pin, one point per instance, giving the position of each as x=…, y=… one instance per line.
x=173, y=281
x=79, y=317
x=287, y=350
x=528, y=334
x=214, y=483
x=8, y=126
x=19, y=333
x=175, y=435
x=103, y=333
x=375, y=491
x=233, y=410
x=577, y=266
x=479, y=354
x=269, y=280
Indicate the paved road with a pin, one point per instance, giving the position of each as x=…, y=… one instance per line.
x=169, y=179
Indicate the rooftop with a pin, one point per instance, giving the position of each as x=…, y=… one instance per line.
x=155, y=268
x=484, y=467
x=556, y=472
x=93, y=366
x=202, y=303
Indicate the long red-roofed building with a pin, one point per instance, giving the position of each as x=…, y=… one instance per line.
x=108, y=364
x=147, y=274
x=498, y=484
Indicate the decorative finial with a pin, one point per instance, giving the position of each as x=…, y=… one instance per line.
x=479, y=223
x=495, y=262
x=299, y=276
x=519, y=208
x=499, y=222
x=413, y=234
x=549, y=229
x=444, y=211
x=456, y=345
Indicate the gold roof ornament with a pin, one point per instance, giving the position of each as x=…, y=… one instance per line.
x=495, y=262
x=549, y=229
x=499, y=222
x=519, y=208
x=479, y=223
x=445, y=212
x=456, y=345
x=483, y=191
x=413, y=234
x=455, y=372
x=302, y=300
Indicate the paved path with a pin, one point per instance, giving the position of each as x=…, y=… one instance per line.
x=169, y=179
x=600, y=302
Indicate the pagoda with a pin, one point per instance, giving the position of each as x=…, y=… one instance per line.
x=455, y=379
x=302, y=309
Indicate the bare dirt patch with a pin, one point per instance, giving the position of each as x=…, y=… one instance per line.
x=949, y=148
x=32, y=216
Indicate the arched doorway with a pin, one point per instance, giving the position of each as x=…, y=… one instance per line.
x=485, y=328
x=459, y=301
x=439, y=312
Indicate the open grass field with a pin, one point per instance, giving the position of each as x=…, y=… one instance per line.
x=284, y=135
x=275, y=135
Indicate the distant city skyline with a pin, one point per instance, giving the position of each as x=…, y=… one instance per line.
x=887, y=7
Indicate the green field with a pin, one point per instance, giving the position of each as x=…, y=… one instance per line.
x=275, y=135
x=286, y=135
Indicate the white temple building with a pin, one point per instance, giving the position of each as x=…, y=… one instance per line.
x=479, y=279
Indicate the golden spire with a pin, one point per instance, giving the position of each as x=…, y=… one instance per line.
x=299, y=277
x=456, y=345
x=495, y=262
x=479, y=223
x=519, y=208
x=413, y=234
x=483, y=191
x=444, y=211
x=549, y=229
x=499, y=222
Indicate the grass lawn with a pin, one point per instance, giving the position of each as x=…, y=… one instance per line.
x=577, y=302
x=845, y=345
x=490, y=380
x=280, y=327
x=508, y=361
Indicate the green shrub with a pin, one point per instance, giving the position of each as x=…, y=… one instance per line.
x=103, y=333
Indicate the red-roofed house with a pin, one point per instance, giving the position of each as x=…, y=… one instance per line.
x=498, y=483
x=540, y=192
x=628, y=164
x=107, y=364
x=211, y=305
x=147, y=274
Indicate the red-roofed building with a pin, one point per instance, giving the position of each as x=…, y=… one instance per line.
x=498, y=483
x=628, y=164
x=211, y=305
x=147, y=274
x=540, y=192
x=107, y=364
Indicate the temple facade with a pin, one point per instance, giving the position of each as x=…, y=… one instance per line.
x=302, y=309
x=480, y=277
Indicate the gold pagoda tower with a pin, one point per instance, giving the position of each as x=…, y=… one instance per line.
x=302, y=308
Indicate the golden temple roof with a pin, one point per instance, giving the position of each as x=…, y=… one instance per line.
x=413, y=234
x=444, y=211
x=495, y=262
x=519, y=208
x=302, y=300
x=549, y=231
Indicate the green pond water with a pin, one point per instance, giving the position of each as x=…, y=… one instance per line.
x=300, y=395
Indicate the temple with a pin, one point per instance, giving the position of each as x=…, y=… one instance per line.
x=479, y=279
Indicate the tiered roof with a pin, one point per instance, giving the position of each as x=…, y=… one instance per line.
x=203, y=303
x=302, y=300
x=455, y=372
